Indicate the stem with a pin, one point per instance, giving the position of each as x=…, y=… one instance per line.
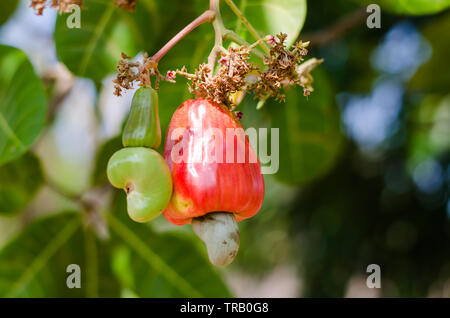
x=219, y=30
x=233, y=37
x=247, y=24
x=207, y=16
x=221, y=33
x=337, y=30
x=62, y=192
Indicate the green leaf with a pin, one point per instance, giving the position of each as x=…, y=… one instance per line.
x=411, y=7
x=158, y=21
x=106, y=31
x=154, y=264
x=268, y=17
x=34, y=263
x=23, y=105
x=309, y=132
x=19, y=182
x=94, y=49
x=7, y=8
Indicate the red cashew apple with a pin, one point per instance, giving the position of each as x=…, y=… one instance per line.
x=217, y=178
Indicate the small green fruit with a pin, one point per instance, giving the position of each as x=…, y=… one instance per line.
x=145, y=177
x=142, y=128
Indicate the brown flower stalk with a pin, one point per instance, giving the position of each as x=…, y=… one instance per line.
x=129, y=5
x=61, y=5
x=128, y=72
x=283, y=67
x=230, y=77
x=38, y=6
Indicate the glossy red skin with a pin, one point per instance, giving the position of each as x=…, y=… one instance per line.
x=204, y=186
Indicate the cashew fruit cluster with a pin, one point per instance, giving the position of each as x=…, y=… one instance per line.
x=138, y=168
x=201, y=180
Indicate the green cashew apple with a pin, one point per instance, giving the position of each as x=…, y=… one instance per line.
x=142, y=128
x=145, y=177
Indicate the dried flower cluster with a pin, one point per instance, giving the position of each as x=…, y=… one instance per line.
x=230, y=77
x=283, y=67
x=128, y=72
x=61, y=5
x=129, y=5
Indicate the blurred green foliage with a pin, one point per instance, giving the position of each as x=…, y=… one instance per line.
x=7, y=9
x=19, y=182
x=413, y=7
x=310, y=135
x=335, y=205
x=23, y=105
x=431, y=76
x=268, y=17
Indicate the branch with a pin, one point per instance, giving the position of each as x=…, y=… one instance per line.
x=207, y=16
x=62, y=82
x=219, y=29
x=91, y=202
x=334, y=32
